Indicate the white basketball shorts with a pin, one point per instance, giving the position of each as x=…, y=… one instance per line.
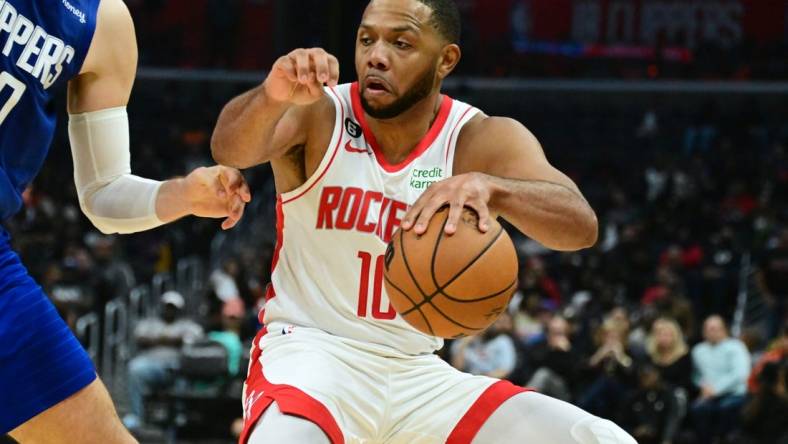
x=360, y=392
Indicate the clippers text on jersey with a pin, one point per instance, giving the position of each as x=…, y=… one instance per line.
x=43, y=55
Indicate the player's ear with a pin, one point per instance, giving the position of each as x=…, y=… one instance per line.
x=450, y=57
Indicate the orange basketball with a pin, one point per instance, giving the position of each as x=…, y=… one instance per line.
x=451, y=286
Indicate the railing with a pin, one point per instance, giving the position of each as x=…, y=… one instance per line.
x=160, y=284
x=115, y=340
x=743, y=295
x=752, y=313
x=87, y=330
x=110, y=348
x=190, y=282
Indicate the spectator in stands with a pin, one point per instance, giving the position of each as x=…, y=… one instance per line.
x=530, y=322
x=669, y=354
x=72, y=294
x=491, y=353
x=534, y=278
x=230, y=335
x=223, y=280
x=612, y=369
x=776, y=353
x=554, y=361
x=527, y=325
x=114, y=276
x=651, y=411
x=676, y=306
x=772, y=280
x=721, y=367
x=159, y=340
x=764, y=416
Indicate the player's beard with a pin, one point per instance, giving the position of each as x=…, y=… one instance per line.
x=417, y=93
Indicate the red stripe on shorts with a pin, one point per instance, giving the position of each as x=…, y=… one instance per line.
x=261, y=393
x=481, y=410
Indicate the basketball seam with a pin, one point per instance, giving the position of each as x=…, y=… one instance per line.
x=415, y=282
x=439, y=288
x=480, y=299
x=432, y=332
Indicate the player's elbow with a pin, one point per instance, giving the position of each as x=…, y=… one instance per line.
x=224, y=154
x=219, y=150
x=589, y=230
x=121, y=205
x=582, y=232
x=97, y=221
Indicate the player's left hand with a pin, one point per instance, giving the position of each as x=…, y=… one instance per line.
x=465, y=190
x=218, y=192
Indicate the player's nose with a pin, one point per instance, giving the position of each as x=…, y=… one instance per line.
x=378, y=57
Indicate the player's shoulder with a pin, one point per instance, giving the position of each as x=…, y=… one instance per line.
x=114, y=39
x=484, y=130
x=490, y=138
x=340, y=94
x=113, y=15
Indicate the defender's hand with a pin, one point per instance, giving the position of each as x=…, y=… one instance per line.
x=217, y=192
x=465, y=190
x=298, y=77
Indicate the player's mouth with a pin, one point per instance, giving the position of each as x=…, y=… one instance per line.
x=376, y=86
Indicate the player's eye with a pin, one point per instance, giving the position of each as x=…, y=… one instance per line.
x=366, y=41
x=402, y=45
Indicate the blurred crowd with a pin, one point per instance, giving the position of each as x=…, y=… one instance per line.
x=693, y=210
x=514, y=38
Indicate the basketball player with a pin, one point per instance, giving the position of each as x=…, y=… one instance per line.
x=49, y=392
x=335, y=363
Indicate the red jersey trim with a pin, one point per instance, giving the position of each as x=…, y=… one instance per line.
x=291, y=401
x=333, y=156
x=481, y=410
x=451, y=136
x=270, y=291
x=424, y=144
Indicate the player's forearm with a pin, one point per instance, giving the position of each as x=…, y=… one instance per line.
x=553, y=215
x=171, y=204
x=244, y=126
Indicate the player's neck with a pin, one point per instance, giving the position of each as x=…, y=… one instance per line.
x=397, y=137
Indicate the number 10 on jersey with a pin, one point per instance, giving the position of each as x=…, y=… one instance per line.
x=377, y=289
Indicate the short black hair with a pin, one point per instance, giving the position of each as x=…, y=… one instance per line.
x=445, y=18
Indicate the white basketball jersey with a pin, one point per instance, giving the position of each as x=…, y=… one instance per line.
x=333, y=229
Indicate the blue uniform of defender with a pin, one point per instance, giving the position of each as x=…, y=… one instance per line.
x=43, y=44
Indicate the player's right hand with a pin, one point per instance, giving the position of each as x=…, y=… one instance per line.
x=298, y=77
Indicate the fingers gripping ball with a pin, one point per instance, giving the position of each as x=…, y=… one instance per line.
x=451, y=286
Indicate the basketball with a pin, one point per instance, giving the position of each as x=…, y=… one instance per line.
x=451, y=286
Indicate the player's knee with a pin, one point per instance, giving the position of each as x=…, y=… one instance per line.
x=600, y=431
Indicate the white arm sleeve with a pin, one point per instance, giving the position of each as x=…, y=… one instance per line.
x=109, y=195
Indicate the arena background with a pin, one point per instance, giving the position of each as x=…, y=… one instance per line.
x=672, y=117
